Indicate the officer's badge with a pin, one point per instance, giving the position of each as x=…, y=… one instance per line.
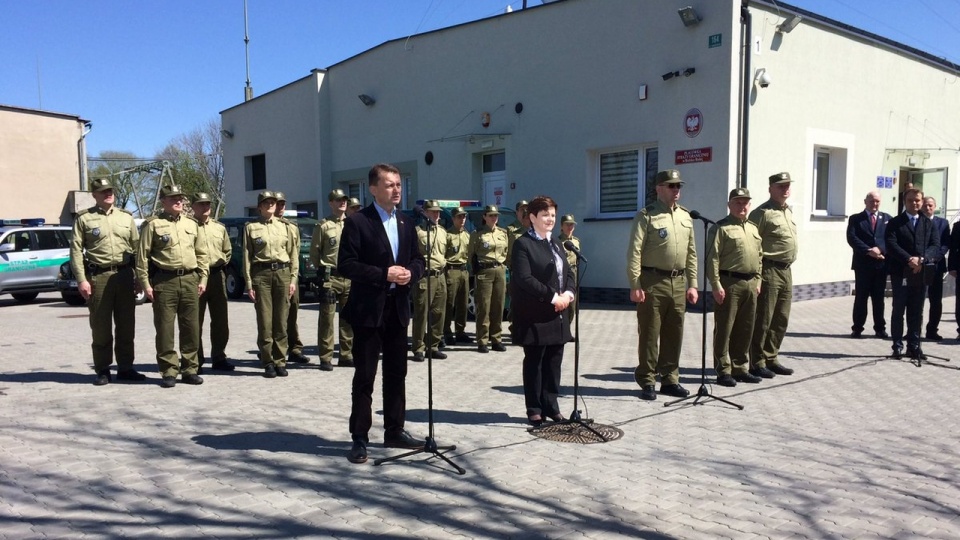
x=258, y=241
x=165, y=238
x=662, y=233
x=333, y=242
x=486, y=245
x=96, y=231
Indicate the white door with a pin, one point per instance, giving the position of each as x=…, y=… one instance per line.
x=933, y=183
x=495, y=179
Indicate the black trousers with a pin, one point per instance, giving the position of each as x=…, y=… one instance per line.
x=906, y=300
x=368, y=343
x=870, y=285
x=935, y=295
x=541, y=378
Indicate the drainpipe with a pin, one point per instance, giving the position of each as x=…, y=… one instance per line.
x=747, y=21
x=82, y=151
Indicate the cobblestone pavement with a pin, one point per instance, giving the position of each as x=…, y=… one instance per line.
x=853, y=445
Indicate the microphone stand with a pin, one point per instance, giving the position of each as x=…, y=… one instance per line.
x=703, y=392
x=430, y=443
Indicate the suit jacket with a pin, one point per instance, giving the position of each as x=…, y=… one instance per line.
x=364, y=257
x=954, y=262
x=533, y=282
x=903, y=242
x=941, y=228
x=861, y=237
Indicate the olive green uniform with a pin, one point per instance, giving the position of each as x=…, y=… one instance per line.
x=488, y=253
x=778, y=234
x=458, y=282
x=172, y=259
x=102, y=252
x=661, y=260
x=514, y=231
x=270, y=264
x=733, y=264
x=433, y=280
x=572, y=261
x=334, y=288
x=295, y=346
x=219, y=250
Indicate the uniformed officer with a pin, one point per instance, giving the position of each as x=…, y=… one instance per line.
x=353, y=206
x=105, y=239
x=733, y=269
x=271, y=265
x=778, y=234
x=172, y=269
x=333, y=288
x=662, y=271
x=219, y=250
x=488, y=255
x=434, y=253
x=516, y=230
x=293, y=329
x=457, y=279
x=567, y=225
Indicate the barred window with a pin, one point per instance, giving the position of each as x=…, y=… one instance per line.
x=620, y=175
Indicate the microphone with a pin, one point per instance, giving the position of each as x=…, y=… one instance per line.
x=697, y=215
x=570, y=247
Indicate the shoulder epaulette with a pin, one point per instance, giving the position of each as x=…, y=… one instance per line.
x=149, y=219
x=125, y=211
x=193, y=219
x=683, y=208
x=85, y=210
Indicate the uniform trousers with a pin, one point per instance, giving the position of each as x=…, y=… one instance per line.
x=112, y=303
x=489, y=295
x=733, y=325
x=272, y=288
x=436, y=304
x=458, y=296
x=541, y=378
x=773, y=314
x=907, y=300
x=660, y=328
x=293, y=330
x=175, y=301
x=870, y=284
x=215, y=299
x=334, y=290
x=935, y=295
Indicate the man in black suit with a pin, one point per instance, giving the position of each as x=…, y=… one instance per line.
x=379, y=254
x=941, y=228
x=865, y=232
x=954, y=266
x=911, y=244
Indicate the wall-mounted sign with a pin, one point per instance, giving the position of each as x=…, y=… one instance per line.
x=693, y=123
x=885, y=182
x=693, y=155
x=715, y=41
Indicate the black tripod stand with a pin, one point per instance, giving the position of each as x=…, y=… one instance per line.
x=430, y=443
x=703, y=392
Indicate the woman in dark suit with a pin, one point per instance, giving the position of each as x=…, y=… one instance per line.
x=541, y=288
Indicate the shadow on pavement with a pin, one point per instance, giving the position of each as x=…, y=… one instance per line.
x=274, y=441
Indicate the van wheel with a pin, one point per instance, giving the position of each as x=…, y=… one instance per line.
x=24, y=297
x=234, y=283
x=73, y=299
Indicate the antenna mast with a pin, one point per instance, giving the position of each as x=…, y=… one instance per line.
x=248, y=90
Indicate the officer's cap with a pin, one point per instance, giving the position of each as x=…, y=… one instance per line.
x=353, y=202
x=458, y=211
x=780, y=178
x=202, y=197
x=172, y=191
x=567, y=218
x=521, y=204
x=100, y=184
x=739, y=193
x=669, y=176
x=265, y=195
x=431, y=204
x=490, y=209
x=337, y=195
x=280, y=196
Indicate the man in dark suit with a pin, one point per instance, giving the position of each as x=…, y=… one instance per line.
x=865, y=232
x=954, y=265
x=379, y=254
x=941, y=228
x=911, y=244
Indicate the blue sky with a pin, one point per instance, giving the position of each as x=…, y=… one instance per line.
x=146, y=71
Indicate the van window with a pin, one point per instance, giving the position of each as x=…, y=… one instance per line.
x=51, y=239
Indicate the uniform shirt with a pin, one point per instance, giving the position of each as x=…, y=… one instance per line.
x=489, y=245
x=270, y=241
x=514, y=231
x=171, y=243
x=294, y=231
x=571, y=256
x=732, y=245
x=215, y=238
x=777, y=231
x=458, y=246
x=325, y=244
x=109, y=238
x=662, y=237
x=436, y=255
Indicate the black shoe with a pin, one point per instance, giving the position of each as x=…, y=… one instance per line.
x=439, y=355
x=103, y=377
x=746, y=378
x=856, y=334
x=882, y=334
x=326, y=365
x=222, y=365
x=483, y=348
x=497, y=346
x=402, y=440
x=418, y=357
x=168, y=382
x=463, y=338
x=916, y=354
x=763, y=372
x=897, y=354
x=535, y=420
x=343, y=362
x=282, y=371
x=130, y=375
x=674, y=390
x=934, y=336
x=190, y=378
x=357, y=453
x=648, y=393
x=780, y=369
x=270, y=371
x=199, y=370
x=726, y=380
x=298, y=358
x=450, y=340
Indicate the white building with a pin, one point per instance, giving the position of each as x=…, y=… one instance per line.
x=585, y=100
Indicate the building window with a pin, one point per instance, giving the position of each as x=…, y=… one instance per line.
x=621, y=175
x=495, y=162
x=255, y=170
x=829, y=181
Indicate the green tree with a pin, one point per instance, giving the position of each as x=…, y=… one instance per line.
x=135, y=189
x=197, y=161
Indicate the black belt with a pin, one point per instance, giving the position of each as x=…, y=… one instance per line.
x=177, y=272
x=738, y=275
x=488, y=265
x=456, y=267
x=94, y=269
x=215, y=269
x=270, y=265
x=776, y=264
x=669, y=273
x=433, y=273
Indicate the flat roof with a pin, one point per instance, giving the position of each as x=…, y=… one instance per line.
x=41, y=112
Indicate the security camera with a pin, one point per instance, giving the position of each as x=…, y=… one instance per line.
x=763, y=78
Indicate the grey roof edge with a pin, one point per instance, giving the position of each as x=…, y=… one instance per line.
x=277, y=89
x=43, y=112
